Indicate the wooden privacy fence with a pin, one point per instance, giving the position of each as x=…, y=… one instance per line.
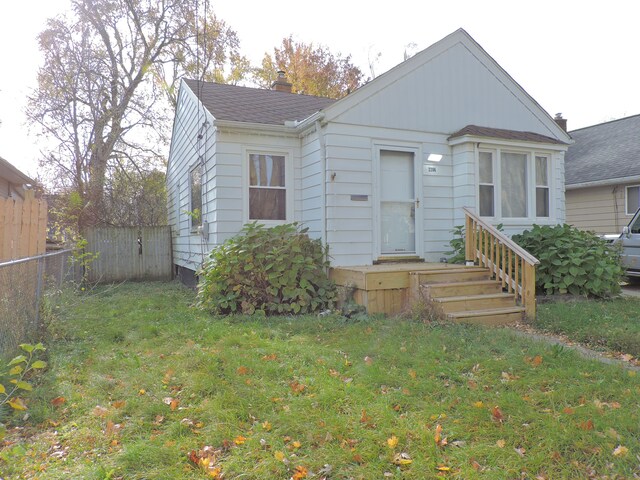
x=23, y=227
x=508, y=262
x=129, y=253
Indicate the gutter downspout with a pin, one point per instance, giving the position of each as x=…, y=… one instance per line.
x=323, y=169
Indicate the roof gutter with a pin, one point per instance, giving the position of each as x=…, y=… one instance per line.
x=603, y=183
x=486, y=141
x=259, y=127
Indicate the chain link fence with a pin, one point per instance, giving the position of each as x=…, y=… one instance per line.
x=22, y=285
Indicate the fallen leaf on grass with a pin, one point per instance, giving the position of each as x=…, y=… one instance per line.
x=56, y=402
x=402, y=459
x=239, y=440
x=242, y=370
x=620, y=451
x=501, y=443
x=478, y=404
x=368, y=360
x=279, y=456
x=413, y=374
x=299, y=473
x=497, y=415
x=568, y=411
x=297, y=387
x=167, y=376
x=142, y=391
x=99, y=411
x=172, y=402
x=588, y=425
x=270, y=357
x=441, y=442
x=119, y=403
x=535, y=361
x=266, y=425
x=520, y=451
x=443, y=468
x=17, y=404
x=392, y=441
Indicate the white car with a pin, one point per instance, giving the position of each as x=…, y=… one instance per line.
x=630, y=241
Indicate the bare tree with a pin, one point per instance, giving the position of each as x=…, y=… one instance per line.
x=104, y=94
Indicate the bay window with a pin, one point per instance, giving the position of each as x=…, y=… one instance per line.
x=513, y=184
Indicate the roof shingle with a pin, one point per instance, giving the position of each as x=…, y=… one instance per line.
x=255, y=105
x=477, y=131
x=605, y=151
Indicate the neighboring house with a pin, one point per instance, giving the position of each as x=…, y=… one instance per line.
x=381, y=174
x=603, y=175
x=12, y=181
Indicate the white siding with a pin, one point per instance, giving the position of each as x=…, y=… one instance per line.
x=351, y=228
x=448, y=92
x=311, y=178
x=188, y=245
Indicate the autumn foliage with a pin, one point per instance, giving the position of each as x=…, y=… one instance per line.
x=270, y=271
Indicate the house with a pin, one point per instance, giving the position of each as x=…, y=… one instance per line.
x=381, y=174
x=603, y=175
x=12, y=181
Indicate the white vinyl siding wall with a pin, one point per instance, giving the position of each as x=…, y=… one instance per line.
x=185, y=152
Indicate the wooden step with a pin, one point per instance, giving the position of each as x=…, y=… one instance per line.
x=475, y=302
x=454, y=289
x=495, y=316
x=451, y=274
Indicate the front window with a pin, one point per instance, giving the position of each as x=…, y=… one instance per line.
x=486, y=185
x=513, y=173
x=513, y=184
x=633, y=199
x=542, y=186
x=195, y=185
x=267, y=188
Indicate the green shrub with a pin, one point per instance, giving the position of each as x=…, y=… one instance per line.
x=457, y=243
x=572, y=261
x=270, y=271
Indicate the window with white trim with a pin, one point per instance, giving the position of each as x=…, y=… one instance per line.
x=632, y=199
x=195, y=188
x=486, y=185
x=542, y=186
x=267, y=187
x=513, y=184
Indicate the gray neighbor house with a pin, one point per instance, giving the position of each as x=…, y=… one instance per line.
x=602, y=175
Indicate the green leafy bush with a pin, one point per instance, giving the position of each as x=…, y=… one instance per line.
x=13, y=380
x=269, y=271
x=457, y=244
x=572, y=261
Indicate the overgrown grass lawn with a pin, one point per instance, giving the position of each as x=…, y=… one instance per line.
x=138, y=380
x=605, y=324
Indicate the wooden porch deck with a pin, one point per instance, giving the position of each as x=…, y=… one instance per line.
x=470, y=294
x=383, y=288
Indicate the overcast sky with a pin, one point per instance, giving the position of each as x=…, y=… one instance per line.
x=580, y=58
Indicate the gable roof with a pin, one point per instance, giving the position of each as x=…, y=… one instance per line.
x=437, y=50
x=255, y=105
x=12, y=174
x=607, y=151
x=503, y=134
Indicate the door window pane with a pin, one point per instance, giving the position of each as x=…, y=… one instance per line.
x=398, y=227
x=513, y=173
x=396, y=170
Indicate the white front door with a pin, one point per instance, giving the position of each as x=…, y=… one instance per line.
x=398, y=203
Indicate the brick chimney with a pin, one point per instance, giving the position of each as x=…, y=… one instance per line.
x=281, y=84
x=562, y=122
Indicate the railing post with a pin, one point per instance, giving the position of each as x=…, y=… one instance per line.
x=529, y=291
x=469, y=240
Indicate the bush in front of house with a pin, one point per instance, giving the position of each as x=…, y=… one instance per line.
x=572, y=261
x=270, y=271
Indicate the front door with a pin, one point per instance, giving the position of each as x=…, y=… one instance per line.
x=398, y=203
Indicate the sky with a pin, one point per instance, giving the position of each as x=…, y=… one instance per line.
x=580, y=58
